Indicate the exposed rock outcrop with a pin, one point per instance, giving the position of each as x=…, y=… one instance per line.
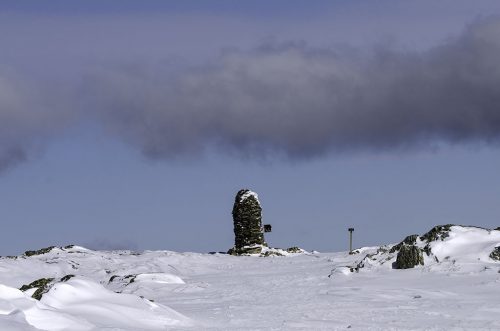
x=40, y=251
x=439, y=232
x=409, y=240
x=495, y=255
x=42, y=286
x=295, y=249
x=445, y=245
x=409, y=256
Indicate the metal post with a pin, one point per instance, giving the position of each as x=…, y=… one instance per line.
x=350, y=239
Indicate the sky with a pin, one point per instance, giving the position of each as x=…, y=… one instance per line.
x=132, y=125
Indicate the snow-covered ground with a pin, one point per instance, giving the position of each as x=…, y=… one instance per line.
x=457, y=288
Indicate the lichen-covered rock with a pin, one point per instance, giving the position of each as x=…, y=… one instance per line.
x=294, y=249
x=247, y=220
x=409, y=240
x=39, y=252
x=271, y=253
x=437, y=232
x=247, y=250
x=409, y=256
x=42, y=285
x=495, y=255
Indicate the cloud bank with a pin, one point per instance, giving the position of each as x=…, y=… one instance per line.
x=286, y=99
x=29, y=114
x=304, y=102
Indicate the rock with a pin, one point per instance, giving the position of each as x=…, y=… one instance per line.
x=39, y=252
x=42, y=285
x=495, y=255
x=294, y=249
x=66, y=278
x=409, y=240
x=271, y=253
x=247, y=250
x=409, y=256
x=437, y=232
x=130, y=278
x=247, y=220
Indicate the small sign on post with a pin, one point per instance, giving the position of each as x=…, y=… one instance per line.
x=350, y=239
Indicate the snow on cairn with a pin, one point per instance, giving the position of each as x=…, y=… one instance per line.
x=249, y=194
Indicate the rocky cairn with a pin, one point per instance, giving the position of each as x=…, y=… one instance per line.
x=247, y=220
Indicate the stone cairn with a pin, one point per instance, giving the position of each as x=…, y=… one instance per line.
x=247, y=219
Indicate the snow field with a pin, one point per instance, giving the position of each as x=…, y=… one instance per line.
x=190, y=291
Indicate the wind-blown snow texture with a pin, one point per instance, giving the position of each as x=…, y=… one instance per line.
x=457, y=288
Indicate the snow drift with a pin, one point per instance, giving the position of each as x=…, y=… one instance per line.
x=455, y=288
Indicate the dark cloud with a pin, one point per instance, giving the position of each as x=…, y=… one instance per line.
x=304, y=102
x=29, y=114
x=11, y=156
x=279, y=99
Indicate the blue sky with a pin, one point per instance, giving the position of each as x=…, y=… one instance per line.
x=133, y=124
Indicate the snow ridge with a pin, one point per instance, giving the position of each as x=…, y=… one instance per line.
x=456, y=288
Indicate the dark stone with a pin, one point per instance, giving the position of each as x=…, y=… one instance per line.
x=42, y=285
x=37, y=283
x=294, y=249
x=495, y=255
x=66, y=278
x=131, y=277
x=271, y=253
x=112, y=278
x=39, y=252
x=437, y=232
x=409, y=240
x=409, y=256
x=245, y=250
x=247, y=220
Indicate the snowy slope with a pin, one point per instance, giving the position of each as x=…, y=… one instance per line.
x=457, y=288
